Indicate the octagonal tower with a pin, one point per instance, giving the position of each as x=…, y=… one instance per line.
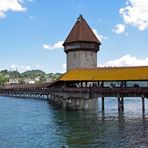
x=81, y=46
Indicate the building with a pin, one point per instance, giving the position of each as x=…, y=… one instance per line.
x=81, y=46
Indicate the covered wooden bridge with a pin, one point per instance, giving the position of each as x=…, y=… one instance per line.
x=78, y=86
x=38, y=90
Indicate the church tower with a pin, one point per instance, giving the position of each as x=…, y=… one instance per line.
x=81, y=46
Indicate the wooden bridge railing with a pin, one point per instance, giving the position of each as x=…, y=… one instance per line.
x=93, y=92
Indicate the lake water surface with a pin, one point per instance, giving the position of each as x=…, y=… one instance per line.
x=30, y=123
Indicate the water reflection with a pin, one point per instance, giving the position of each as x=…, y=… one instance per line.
x=33, y=123
x=106, y=129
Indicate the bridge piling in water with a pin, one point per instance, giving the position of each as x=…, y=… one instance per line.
x=143, y=104
x=103, y=104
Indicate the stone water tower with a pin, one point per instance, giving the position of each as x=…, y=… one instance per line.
x=81, y=46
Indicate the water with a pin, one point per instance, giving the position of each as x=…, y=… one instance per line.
x=29, y=123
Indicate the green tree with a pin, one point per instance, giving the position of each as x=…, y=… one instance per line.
x=3, y=79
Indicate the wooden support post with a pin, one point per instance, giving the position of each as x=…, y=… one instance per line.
x=85, y=84
x=125, y=84
x=122, y=104
x=81, y=84
x=143, y=104
x=119, y=105
x=102, y=103
x=98, y=85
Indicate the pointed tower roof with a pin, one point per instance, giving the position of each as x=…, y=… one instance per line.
x=81, y=32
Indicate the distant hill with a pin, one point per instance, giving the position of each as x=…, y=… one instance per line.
x=33, y=73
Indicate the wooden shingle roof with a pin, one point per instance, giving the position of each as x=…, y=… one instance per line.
x=106, y=74
x=81, y=32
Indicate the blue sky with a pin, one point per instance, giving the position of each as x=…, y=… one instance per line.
x=32, y=31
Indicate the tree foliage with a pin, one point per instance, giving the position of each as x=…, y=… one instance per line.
x=6, y=75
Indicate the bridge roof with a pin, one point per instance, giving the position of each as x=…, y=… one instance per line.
x=106, y=74
x=81, y=32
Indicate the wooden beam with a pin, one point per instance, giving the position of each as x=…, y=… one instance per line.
x=103, y=104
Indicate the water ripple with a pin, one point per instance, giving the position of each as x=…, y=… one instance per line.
x=35, y=123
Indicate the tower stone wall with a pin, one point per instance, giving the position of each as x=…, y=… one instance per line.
x=81, y=59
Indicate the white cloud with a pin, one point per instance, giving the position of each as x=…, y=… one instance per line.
x=20, y=68
x=11, y=5
x=135, y=13
x=100, y=37
x=38, y=66
x=54, y=46
x=126, y=60
x=64, y=67
x=119, y=28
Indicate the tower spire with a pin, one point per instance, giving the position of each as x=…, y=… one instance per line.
x=80, y=17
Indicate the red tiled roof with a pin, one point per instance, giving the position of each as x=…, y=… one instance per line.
x=81, y=32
